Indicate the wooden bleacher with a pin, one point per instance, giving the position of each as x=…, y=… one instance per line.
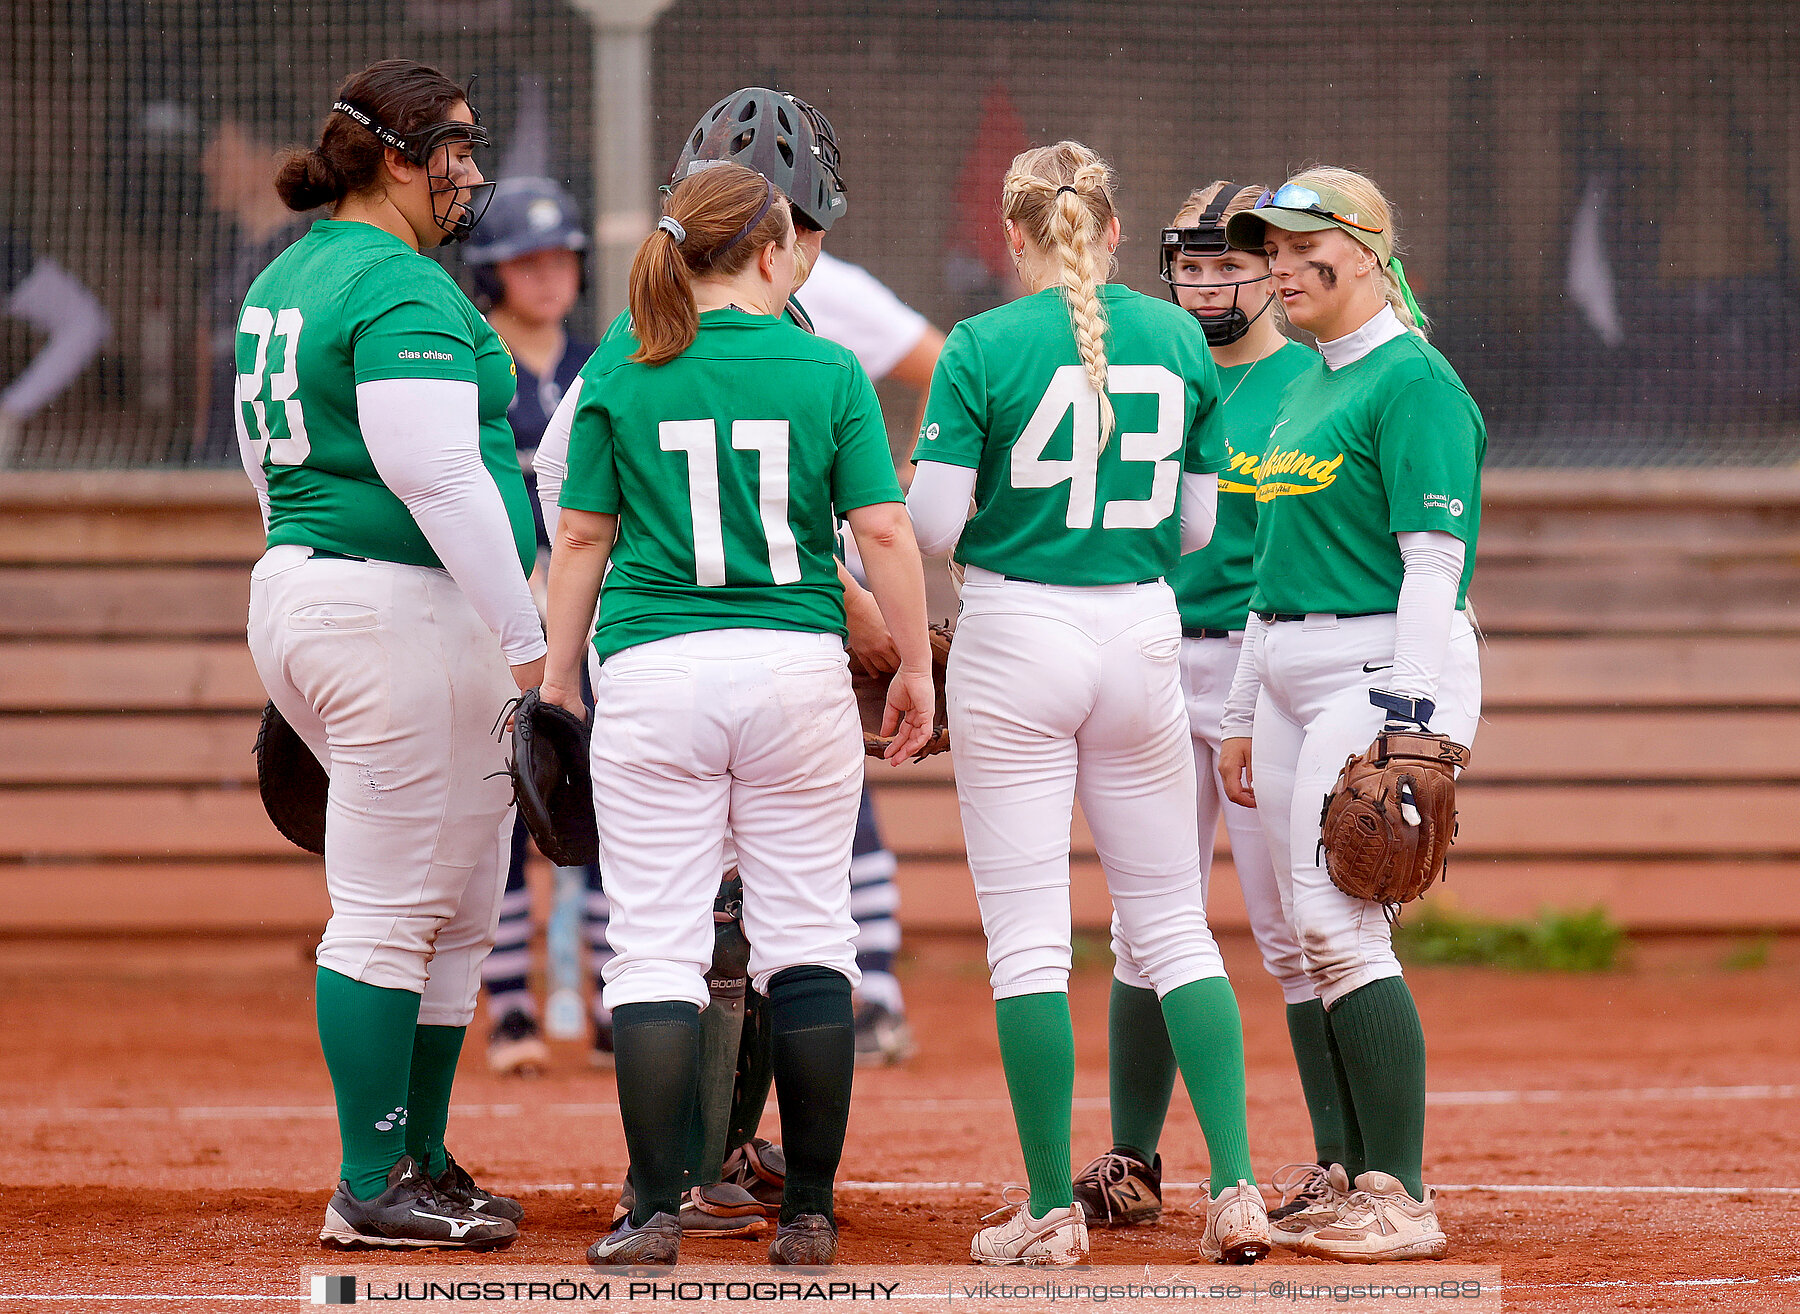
x=1641, y=748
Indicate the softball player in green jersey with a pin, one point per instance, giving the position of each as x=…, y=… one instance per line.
x=1370, y=493
x=709, y=456
x=1231, y=294
x=1085, y=421
x=392, y=598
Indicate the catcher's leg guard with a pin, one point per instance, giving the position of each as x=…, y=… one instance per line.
x=721, y=1030
x=755, y=1072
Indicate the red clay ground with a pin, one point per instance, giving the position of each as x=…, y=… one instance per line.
x=169, y=1129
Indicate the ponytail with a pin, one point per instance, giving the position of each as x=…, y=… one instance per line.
x=402, y=93
x=305, y=180
x=1061, y=196
x=714, y=223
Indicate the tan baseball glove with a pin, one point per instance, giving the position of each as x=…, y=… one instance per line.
x=1388, y=822
x=871, y=700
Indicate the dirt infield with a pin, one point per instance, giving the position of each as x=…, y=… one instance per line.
x=1626, y=1141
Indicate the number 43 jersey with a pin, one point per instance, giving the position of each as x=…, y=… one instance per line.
x=728, y=468
x=1011, y=400
x=349, y=304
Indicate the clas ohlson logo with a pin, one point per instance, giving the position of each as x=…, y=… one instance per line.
x=1292, y=473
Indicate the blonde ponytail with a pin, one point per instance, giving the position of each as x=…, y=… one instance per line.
x=1061, y=197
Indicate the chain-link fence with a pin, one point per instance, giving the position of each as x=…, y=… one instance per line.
x=1598, y=201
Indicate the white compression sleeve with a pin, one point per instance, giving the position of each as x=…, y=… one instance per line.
x=425, y=441
x=938, y=503
x=552, y=460
x=54, y=301
x=249, y=454
x=1246, y=685
x=1199, y=510
x=1434, y=566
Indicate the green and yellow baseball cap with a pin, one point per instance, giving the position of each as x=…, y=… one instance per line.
x=1298, y=208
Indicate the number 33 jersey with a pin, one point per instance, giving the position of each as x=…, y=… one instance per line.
x=727, y=467
x=349, y=304
x=1011, y=400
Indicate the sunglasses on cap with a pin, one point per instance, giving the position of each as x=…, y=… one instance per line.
x=1292, y=196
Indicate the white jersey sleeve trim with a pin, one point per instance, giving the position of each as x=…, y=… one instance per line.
x=854, y=309
x=251, y=455
x=1199, y=510
x=1433, y=563
x=551, y=461
x=938, y=503
x=424, y=439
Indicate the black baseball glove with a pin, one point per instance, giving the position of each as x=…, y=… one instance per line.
x=549, y=769
x=292, y=782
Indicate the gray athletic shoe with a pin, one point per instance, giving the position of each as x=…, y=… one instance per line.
x=455, y=1185
x=717, y=1210
x=410, y=1215
x=657, y=1244
x=810, y=1241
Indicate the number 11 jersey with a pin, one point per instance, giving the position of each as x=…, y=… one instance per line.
x=727, y=467
x=1011, y=400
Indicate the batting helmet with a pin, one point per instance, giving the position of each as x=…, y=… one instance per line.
x=779, y=136
x=526, y=215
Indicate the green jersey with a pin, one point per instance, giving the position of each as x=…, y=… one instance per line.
x=1011, y=400
x=1213, y=585
x=349, y=304
x=727, y=468
x=1389, y=444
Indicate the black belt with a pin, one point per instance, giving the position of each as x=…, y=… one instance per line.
x=1203, y=632
x=328, y=555
x=1020, y=579
x=1270, y=617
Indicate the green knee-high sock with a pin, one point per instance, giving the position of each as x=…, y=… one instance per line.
x=1140, y=1068
x=435, y=1051
x=1207, y=1036
x=1383, y=1047
x=367, y=1033
x=1037, y=1049
x=1318, y=1081
x=1353, y=1160
x=656, y=1046
x=814, y=1055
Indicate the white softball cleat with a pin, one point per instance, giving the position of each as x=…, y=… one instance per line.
x=1057, y=1240
x=1310, y=1196
x=1379, y=1223
x=1237, y=1226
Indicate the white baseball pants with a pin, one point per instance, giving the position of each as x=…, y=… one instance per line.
x=751, y=734
x=1207, y=668
x=1056, y=692
x=394, y=682
x=1312, y=713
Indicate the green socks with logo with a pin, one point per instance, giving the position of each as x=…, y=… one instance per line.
x=434, y=1056
x=1037, y=1050
x=367, y=1033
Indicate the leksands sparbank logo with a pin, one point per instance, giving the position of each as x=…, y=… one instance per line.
x=1292, y=473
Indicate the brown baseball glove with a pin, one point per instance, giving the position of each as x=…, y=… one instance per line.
x=871, y=701
x=1388, y=822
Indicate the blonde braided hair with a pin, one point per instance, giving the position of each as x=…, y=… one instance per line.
x=1061, y=197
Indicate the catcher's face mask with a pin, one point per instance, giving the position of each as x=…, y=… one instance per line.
x=459, y=194
x=1185, y=253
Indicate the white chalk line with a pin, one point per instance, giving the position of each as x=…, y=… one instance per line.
x=1449, y=1098
x=1501, y=1188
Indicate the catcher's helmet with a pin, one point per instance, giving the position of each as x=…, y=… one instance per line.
x=781, y=137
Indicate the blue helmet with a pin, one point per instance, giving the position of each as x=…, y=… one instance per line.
x=526, y=215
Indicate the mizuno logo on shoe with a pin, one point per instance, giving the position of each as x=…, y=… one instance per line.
x=459, y=1228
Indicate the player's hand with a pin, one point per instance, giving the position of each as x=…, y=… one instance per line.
x=911, y=706
x=528, y=675
x=1234, y=771
x=871, y=646
x=567, y=697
